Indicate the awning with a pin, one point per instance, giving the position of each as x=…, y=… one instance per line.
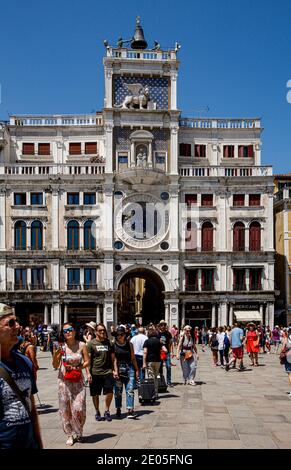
x=248, y=315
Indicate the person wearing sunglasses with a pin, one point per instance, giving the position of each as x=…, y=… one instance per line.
x=70, y=359
x=19, y=426
x=103, y=370
x=127, y=372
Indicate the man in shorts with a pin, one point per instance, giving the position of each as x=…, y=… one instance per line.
x=236, y=342
x=103, y=370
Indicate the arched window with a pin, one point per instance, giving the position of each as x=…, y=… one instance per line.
x=73, y=235
x=36, y=235
x=239, y=237
x=191, y=236
x=255, y=236
x=20, y=235
x=207, y=236
x=89, y=235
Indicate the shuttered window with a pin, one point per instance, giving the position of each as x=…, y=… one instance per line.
x=90, y=148
x=206, y=199
x=239, y=237
x=190, y=199
x=44, y=149
x=255, y=236
x=254, y=199
x=200, y=151
x=228, y=151
x=75, y=148
x=238, y=199
x=245, y=151
x=185, y=150
x=207, y=237
x=27, y=149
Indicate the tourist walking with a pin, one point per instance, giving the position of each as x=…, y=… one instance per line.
x=29, y=350
x=90, y=332
x=276, y=338
x=220, y=337
x=166, y=341
x=187, y=353
x=70, y=358
x=152, y=356
x=285, y=357
x=103, y=370
x=127, y=373
x=236, y=342
x=138, y=344
x=213, y=343
x=226, y=343
x=204, y=337
x=19, y=426
x=253, y=343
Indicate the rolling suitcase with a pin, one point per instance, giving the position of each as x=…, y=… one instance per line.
x=162, y=384
x=146, y=391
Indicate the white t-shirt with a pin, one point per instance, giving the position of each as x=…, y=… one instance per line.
x=138, y=342
x=220, y=339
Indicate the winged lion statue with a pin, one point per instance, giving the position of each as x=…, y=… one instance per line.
x=138, y=95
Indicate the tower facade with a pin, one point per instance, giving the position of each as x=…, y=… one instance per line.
x=136, y=213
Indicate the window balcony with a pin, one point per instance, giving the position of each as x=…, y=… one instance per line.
x=256, y=287
x=20, y=286
x=191, y=287
x=207, y=287
x=90, y=286
x=239, y=287
x=38, y=286
x=74, y=286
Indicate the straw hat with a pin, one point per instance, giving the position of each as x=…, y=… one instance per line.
x=92, y=325
x=6, y=310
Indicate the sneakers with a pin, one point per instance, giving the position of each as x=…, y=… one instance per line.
x=98, y=416
x=70, y=441
x=226, y=367
x=107, y=416
x=192, y=382
x=170, y=385
x=118, y=412
x=131, y=414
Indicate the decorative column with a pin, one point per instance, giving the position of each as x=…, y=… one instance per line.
x=213, y=315
x=3, y=219
x=174, y=90
x=108, y=87
x=45, y=314
x=247, y=279
x=230, y=322
x=98, y=316
x=247, y=239
x=132, y=155
x=56, y=314
x=174, y=218
x=55, y=218
x=271, y=314
x=174, y=150
x=183, y=315
x=108, y=127
x=150, y=155
x=108, y=217
x=199, y=237
x=173, y=310
x=66, y=317
x=223, y=316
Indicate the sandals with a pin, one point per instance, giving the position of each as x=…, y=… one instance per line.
x=70, y=441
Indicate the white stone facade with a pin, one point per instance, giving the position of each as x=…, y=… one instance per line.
x=114, y=161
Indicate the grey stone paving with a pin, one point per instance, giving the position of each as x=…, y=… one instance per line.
x=227, y=410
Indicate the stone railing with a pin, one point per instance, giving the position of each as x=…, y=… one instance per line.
x=212, y=123
x=219, y=171
x=57, y=169
x=58, y=120
x=123, y=53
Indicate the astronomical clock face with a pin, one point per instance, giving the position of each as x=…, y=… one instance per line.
x=141, y=220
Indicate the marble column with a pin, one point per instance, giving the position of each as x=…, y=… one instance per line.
x=213, y=315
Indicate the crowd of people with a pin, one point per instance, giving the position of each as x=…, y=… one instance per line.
x=109, y=362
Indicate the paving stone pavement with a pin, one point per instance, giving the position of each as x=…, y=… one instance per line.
x=226, y=410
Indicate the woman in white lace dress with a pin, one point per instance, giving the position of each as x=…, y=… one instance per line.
x=70, y=358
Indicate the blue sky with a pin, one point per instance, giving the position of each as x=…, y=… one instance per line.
x=235, y=58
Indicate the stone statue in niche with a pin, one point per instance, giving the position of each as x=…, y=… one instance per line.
x=138, y=96
x=141, y=157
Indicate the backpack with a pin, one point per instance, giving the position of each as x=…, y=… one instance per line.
x=214, y=341
x=226, y=341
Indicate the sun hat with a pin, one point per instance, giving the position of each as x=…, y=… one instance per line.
x=163, y=322
x=92, y=325
x=6, y=310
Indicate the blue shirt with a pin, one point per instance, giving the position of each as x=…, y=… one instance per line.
x=16, y=430
x=236, y=335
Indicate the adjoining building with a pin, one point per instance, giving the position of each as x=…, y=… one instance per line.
x=282, y=222
x=136, y=212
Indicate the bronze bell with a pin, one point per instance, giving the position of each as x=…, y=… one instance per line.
x=138, y=41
